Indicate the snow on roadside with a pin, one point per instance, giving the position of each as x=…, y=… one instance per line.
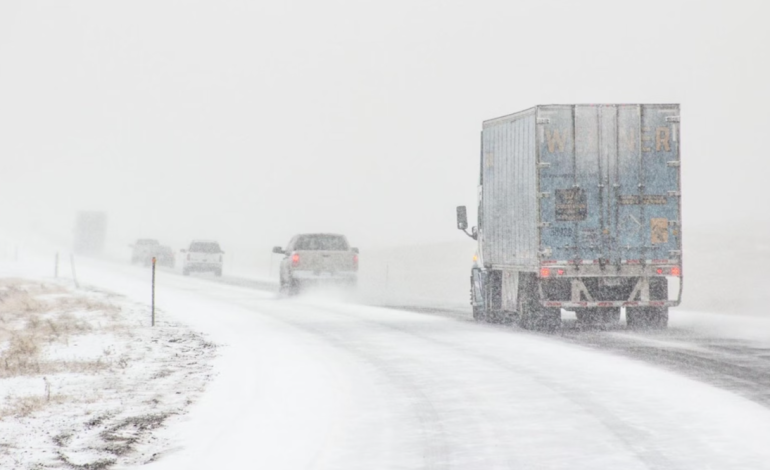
x=85, y=379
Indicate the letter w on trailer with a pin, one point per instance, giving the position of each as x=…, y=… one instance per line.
x=580, y=208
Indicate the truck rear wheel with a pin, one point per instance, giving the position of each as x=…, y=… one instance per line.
x=294, y=287
x=542, y=319
x=653, y=318
x=533, y=316
x=650, y=318
x=478, y=314
x=611, y=316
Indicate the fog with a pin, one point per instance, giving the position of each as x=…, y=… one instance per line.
x=249, y=122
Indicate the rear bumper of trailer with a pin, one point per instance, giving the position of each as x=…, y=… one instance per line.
x=622, y=303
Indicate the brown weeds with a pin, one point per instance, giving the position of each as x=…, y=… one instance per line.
x=31, y=317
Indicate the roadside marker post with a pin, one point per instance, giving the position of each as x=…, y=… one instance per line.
x=153, y=291
x=74, y=274
x=56, y=266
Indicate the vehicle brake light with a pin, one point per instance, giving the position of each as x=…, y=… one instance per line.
x=355, y=261
x=560, y=272
x=660, y=270
x=295, y=260
x=545, y=272
x=676, y=271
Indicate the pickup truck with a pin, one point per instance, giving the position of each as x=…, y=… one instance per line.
x=203, y=255
x=317, y=259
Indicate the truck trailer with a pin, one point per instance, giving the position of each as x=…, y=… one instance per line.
x=579, y=209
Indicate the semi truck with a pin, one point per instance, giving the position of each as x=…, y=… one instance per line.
x=579, y=209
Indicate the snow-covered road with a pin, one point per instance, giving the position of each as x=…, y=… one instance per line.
x=318, y=383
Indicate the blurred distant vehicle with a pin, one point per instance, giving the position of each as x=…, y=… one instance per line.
x=143, y=249
x=90, y=233
x=164, y=256
x=317, y=258
x=203, y=255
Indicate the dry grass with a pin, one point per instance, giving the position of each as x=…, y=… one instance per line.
x=33, y=316
x=25, y=406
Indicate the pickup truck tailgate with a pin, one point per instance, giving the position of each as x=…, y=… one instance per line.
x=326, y=261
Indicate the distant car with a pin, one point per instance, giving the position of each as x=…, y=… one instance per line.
x=202, y=255
x=143, y=249
x=317, y=258
x=164, y=256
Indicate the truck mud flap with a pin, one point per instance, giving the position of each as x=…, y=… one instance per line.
x=478, y=278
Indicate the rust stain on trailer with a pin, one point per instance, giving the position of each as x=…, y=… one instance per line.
x=658, y=231
x=647, y=199
x=663, y=139
x=489, y=159
x=556, y=139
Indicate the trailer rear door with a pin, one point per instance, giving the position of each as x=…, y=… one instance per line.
x=609, y=183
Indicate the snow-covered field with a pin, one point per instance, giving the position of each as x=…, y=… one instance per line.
x=85, y=379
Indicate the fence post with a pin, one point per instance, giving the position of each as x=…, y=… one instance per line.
x=56, y=266
x=74, y=275
x=153, y=291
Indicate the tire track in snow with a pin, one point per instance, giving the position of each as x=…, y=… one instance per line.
x=636, y=439
x=437, y=454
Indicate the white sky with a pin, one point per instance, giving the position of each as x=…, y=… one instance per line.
x=250, y=121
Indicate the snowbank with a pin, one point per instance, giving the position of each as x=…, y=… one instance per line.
x=84, y=378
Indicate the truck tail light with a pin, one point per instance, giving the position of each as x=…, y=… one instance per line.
x=355, y=261
x=674, y=271
x=545, y=272
x=295, y=260
x=560, y=272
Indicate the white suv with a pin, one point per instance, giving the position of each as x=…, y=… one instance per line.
x=203, y=255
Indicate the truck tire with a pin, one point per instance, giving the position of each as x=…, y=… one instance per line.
x=479, y=314
x=651, y=318
x=647, y=318
x=660, y=318
x=542, y=319
x=611, y=316
x=497, y=317
x=294, y=287
x=586, y=316
x=533, y=316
